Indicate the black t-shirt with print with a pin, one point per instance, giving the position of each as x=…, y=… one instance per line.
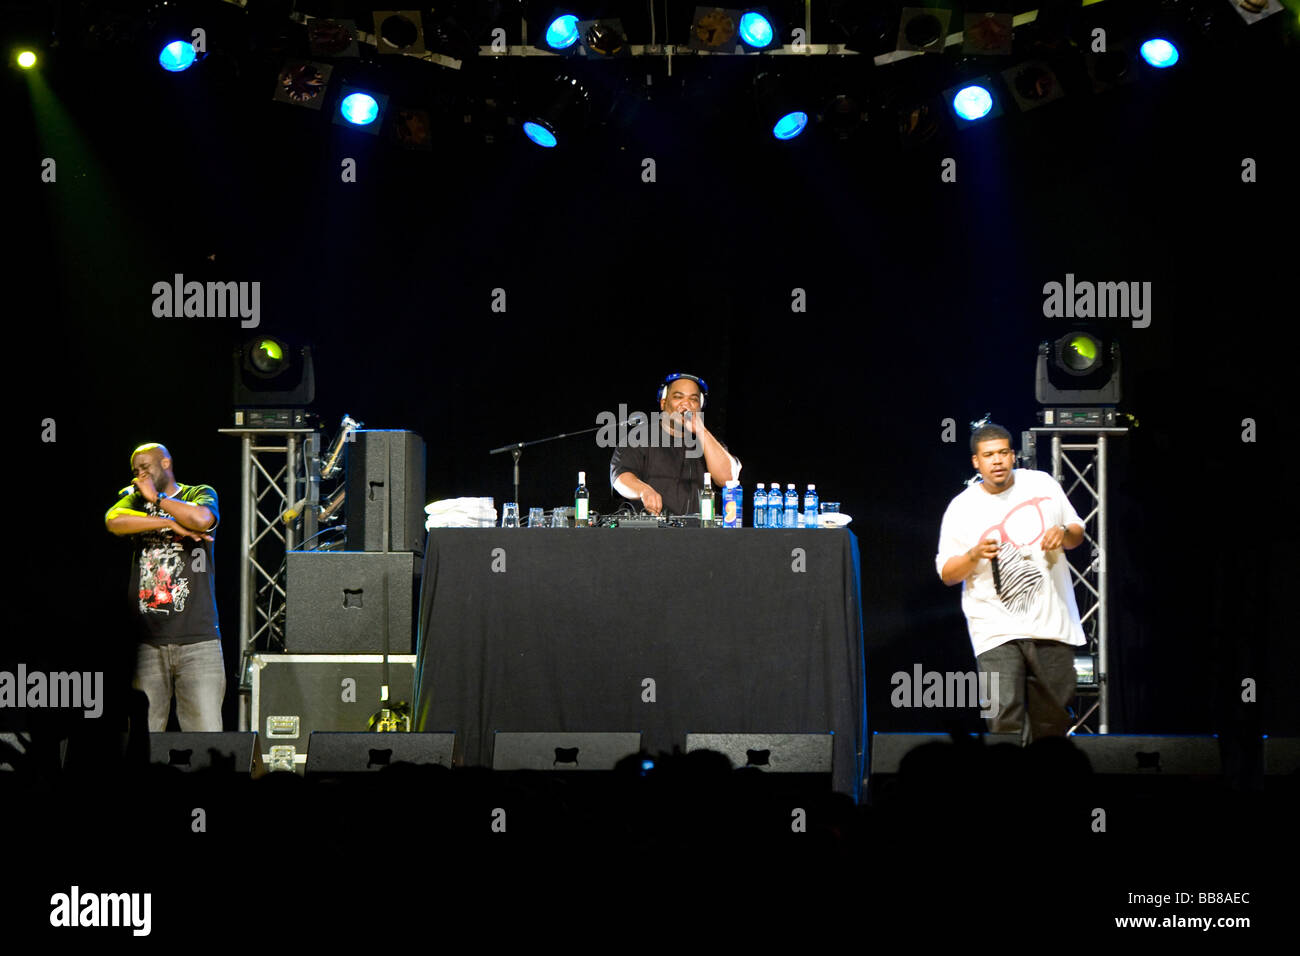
x=677, y=477
x=173, y=587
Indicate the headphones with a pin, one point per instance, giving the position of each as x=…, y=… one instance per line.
x=663, y=386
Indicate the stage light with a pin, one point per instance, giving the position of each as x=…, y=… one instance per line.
x=1081, y=367
x=779, y=108
x=562, y=32
x=267, y=356
x=756, y=30
x=790, y=125
x=301, y=83
x=1079, y=352
x=359, y=109
x=987, y=34
x=27, y=59
x=269, y=374
x=918, y=124
x=1160, y=53
x=176, y=56
x=337, y=38
x=399, y=32
x=972, y=103
x=563, y=113
x=922, y=29
x=603, y=39
x=540, y=135
x=713, y=29
x=1033, y=84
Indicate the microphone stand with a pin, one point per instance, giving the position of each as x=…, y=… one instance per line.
x=517, y=449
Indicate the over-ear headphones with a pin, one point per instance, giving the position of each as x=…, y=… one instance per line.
x=704, y=388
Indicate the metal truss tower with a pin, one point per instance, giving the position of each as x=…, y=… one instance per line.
x=1082, y=452
x=279, y=467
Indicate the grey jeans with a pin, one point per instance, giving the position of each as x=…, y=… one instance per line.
x=1034, y=676
x=195, y=673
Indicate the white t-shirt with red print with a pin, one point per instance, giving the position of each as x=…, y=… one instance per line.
x=1032, y=596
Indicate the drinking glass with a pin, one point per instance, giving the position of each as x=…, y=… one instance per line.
x=537, y=517
x=510, y=514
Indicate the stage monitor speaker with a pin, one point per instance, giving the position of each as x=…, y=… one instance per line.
x=774, y=753
x=368, y=752
x=888, y=750
x=561, y=751
x=385, y=466
x=335, y=602
x=189, y=751
x=1152, y=755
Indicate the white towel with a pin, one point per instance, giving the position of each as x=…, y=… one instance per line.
x=461, y=513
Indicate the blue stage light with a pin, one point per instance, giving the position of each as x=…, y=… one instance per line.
x=359, y=109
x=563, y=32
x=1160, y=53
x=972, y=103
x=539, y=134
x=790, y=125
x=176, y=56
x=756, y=30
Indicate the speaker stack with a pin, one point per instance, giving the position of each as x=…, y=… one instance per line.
x=338, y=601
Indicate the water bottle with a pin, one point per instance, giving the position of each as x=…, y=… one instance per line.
x=733, y=504
x=791, y=506
x=760, y=507
x=774, y=506
x=810, y=507
x=706, y=502
x=581, y=499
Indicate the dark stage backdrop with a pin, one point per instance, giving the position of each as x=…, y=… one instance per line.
x=924, y=302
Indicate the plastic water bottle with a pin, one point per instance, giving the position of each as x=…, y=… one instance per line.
x=760, y=507
x=774, y=506
x=707, y=502
x=810, y=507
x=733, y=503
x=791, y=506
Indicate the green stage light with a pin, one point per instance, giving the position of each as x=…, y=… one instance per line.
x=27, y=59
x=269, y=355
x=1080, y=352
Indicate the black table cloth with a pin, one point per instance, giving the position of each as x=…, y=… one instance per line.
x=741, y=630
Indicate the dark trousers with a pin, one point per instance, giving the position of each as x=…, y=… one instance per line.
x=1035, y=677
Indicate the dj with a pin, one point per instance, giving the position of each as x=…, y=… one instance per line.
x=665, y=472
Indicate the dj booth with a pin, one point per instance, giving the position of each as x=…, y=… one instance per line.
x=667, y=632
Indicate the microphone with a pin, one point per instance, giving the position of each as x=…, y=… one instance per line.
x=997, y=573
